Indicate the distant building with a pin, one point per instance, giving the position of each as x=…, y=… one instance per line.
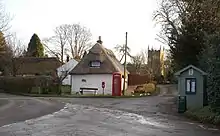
x=63, y=71
x=32, y=66
x=156, y=61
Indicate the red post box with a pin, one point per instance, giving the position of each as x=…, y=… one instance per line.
x=103, y=85
x=116, y=84
x=103, y=88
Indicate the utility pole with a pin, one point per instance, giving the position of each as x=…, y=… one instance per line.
x=126, y=39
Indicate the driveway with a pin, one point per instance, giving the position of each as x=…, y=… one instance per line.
x=149, y=116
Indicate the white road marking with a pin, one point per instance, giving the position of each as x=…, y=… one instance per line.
x=202, y=126
x=207, y=128
x=122, y=115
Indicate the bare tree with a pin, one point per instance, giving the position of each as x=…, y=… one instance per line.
x=4, y=19
x=137, y=61
x=60, y=38
x=59, y=41
x=121, y=51
x=14, y=48
x=16, y=45
x=169, y=17
x=49, y=50
x=68, y=38
x=144, y=55
x=78, y=38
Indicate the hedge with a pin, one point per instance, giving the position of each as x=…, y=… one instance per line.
x=25, y=84
x=66, y=89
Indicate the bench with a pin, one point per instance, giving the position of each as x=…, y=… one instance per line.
x=88, y=89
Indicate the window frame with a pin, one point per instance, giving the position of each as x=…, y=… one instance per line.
x=191, y=80
x=95, y=66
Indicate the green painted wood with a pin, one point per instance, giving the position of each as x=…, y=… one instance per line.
x=193, y=100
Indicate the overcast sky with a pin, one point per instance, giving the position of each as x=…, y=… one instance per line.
x=107, y=18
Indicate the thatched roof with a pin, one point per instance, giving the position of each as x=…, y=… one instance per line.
x=109, y=63
x=33, y=65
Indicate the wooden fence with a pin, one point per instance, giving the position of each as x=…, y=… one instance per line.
x=136, y=79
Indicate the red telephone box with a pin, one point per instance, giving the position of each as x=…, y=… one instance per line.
x=116, y=84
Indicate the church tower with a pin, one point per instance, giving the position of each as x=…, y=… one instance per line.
x=156, y=61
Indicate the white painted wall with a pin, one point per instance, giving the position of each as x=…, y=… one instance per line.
x=93, y=81
x=67, y=67
x=67, y=80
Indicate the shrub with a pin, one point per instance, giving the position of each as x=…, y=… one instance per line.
x=153, y=82
x=35, y=90
x=146, y=88
x=66, y=89
x=139, y=90
x=54, y=89
x=150, y=88
x=217, y=120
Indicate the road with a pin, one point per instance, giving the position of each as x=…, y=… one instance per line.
x=146, y=116
x=16, y=108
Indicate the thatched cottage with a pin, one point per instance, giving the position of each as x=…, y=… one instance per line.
x=96, y=67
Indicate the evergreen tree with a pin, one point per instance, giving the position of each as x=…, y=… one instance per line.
x=189, y=42
x=187, y=47
x=35, y=47
x=5, y=55
x=209, y=58
x=2, y=45
x=210, y=62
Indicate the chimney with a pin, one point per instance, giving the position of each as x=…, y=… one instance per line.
x=99, y=41
x=67, y=58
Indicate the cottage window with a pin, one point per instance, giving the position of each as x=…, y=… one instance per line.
x=190, y=86
x=95, y=64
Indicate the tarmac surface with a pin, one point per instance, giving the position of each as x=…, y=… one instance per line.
x=17, y=108
x=146, y=116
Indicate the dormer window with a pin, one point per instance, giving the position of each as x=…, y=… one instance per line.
x=95, y=64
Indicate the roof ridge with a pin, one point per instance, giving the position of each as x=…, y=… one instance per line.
x=68, y=69
x=190, y=66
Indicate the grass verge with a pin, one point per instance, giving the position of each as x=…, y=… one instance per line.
x=89, y=96
x=204, y=115
x=77, y=96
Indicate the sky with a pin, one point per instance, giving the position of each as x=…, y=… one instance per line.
x=109, y=19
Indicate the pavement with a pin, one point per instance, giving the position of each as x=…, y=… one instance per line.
x=146, y=116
